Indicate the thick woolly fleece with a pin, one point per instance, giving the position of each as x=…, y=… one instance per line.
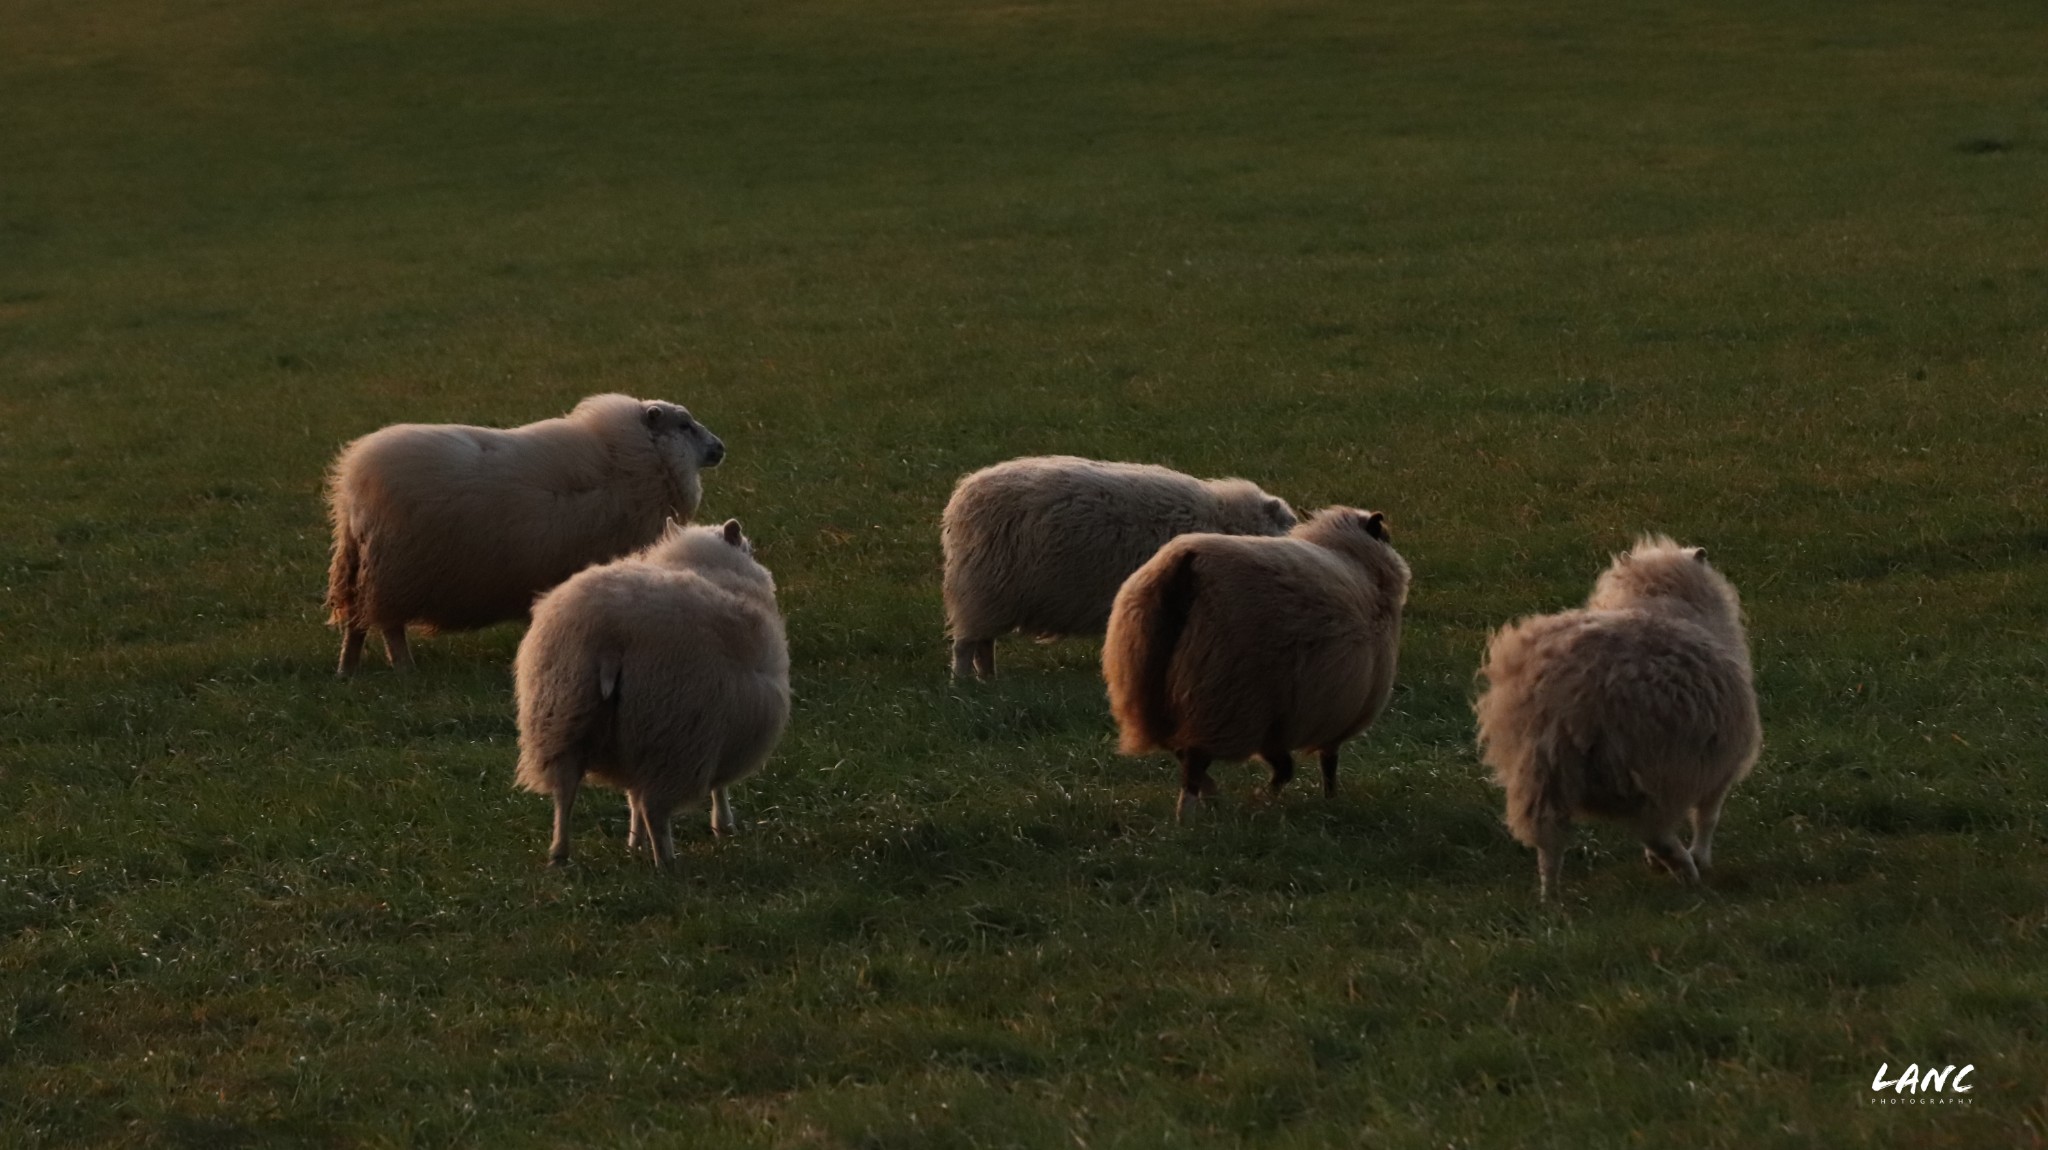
x=453, y=527
x=1638, y=707
x=1041, y=544
x=664, y=674
x=1227, y=646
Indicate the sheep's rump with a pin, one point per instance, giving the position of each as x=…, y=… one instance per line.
x=1283, y=645
x=1042, y=544
x=1613, y=714
x=649, y=679
x=459, y=527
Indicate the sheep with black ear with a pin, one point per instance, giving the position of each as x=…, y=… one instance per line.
x=1638, y=707
x=1225, y=647
x=1041, y=544
x=664, y=674
x=452, y=527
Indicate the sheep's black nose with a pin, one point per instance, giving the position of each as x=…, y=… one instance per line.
x=716, y=454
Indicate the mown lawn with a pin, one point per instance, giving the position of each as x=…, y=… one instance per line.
x=1529, y=277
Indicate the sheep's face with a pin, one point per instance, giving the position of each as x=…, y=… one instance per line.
x=1280, y=518
x=1246, y=510
x=685, y=444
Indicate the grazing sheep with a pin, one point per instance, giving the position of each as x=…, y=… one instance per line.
x=1638, y=707
x=1042, y=544
x=455, y=527
x=664, y=674
x=1224, y=647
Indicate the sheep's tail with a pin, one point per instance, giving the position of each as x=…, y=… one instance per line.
x=566, y=700
x=344, y=573
x=1526, y=758
x=1145, y=636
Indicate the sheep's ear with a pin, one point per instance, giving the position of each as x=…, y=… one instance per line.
x=1277, y=509
x=671, y=525
x=1376, y=526
x=731, y=532
x=1699, y=555
x=652, y=415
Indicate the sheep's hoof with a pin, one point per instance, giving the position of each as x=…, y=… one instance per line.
x=724, y=832
x=557, y=862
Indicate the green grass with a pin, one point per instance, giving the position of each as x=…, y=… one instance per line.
x=1529, y=277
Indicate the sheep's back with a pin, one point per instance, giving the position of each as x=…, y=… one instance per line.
x=1284, y=646
x=1628, y=689
x=464, y=525
x=703, y=674
x=1045, y=544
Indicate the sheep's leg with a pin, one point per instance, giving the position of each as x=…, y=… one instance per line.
x=975, y=657
x=1705, y=817
x=351, y=649
x=645, y=825
x=1550, y=842
x=565, y=802
x=1666, y=850
x=1329, y=758
x=1282, y=764
x=395, y=647
x=1194, y=783
x=723, y=824
x=660, y=830
x=635, y=822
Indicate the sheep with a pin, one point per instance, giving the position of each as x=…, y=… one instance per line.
x=1225, y=647
x=1638, y=707
x=1041, y=544
x=456, y=527
x=664, y=674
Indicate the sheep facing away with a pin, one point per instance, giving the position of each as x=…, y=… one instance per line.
x=1041, y=544
x=1225, y=647
x=664, y=674
x=454, y=527
x=1638, y=707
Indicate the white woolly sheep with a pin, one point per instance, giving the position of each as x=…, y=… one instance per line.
x=1041, y=544
x=1225, y=647
x=664, y=674
x=454, y=527
x=1638, y=707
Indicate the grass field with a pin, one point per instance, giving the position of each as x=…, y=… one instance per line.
x=1530, y=277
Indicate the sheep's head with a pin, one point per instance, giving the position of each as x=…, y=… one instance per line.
x=1363, y=536
x=1657, y=569
x=1279, y=515
x=1247, y=510
x=685, y=444
x=1332, y=526
x=734, y=537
